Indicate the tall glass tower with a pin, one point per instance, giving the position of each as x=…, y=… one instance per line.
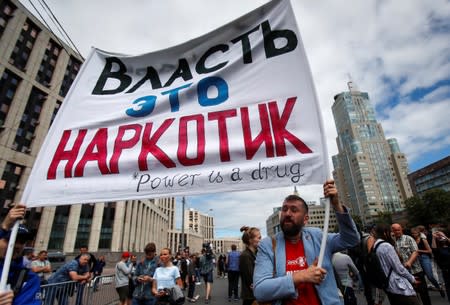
x=369, y=170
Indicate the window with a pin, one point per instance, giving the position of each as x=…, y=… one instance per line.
x=107, y=226
x=8, y=86
x=6, y=13
x=29, y=121
x=9, y=185
x=84, y=225
x=24, y=45
x=58, y=232
x=48, y=63
x=71, y=72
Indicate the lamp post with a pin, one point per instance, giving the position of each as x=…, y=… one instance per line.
x=183, y=202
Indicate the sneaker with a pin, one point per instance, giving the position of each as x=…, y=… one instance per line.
x=196, y=297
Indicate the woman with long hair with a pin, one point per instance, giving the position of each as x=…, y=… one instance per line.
x=425, y=258
x=165, y=277
x=251, y=238
x=400, y=290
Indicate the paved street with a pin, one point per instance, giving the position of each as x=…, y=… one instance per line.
x=220, y=295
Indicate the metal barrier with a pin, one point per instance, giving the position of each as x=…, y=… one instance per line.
x=100, y=291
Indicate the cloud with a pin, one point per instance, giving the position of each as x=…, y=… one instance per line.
x=390, y=50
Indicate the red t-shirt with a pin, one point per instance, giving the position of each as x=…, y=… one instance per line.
x=296, y=261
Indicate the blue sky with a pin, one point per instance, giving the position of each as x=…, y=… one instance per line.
x=399, y=53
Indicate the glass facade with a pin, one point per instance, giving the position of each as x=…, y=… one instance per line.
x=365, y=161
x=106, y=230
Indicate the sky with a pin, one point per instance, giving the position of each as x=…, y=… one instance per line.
x=397, y=51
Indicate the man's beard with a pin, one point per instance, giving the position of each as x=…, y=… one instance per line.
x=291, y=229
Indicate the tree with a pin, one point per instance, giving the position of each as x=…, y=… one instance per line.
x=432, y=208
x=384, y=217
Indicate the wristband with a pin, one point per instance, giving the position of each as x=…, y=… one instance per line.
x=4, y=234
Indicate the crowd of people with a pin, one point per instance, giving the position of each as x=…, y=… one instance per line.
x=282, y=269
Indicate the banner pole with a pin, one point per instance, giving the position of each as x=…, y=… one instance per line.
x=325, y=231
x=8, y=257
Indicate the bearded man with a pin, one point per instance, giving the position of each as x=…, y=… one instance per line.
x=296, y=279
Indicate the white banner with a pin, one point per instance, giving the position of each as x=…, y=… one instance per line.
x=232, y=110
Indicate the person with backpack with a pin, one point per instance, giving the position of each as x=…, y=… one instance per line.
x=347, y=276
x=374, y=295
x=398, y=281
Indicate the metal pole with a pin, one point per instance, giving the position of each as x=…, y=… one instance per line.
x=183, y=202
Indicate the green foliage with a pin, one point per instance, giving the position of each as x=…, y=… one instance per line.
x=384, y=217
x=432, y=208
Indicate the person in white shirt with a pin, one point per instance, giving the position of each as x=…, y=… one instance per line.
x=42, y=267
x=166, y=276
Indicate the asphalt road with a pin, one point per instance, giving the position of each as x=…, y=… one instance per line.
x=220, y=295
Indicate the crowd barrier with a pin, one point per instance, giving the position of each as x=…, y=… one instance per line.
x=100, y=291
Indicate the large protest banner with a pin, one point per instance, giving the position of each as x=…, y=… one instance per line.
x=232, y=110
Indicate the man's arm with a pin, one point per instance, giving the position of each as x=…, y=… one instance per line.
x=74, y=276
x=349, y=236
x=15, y=213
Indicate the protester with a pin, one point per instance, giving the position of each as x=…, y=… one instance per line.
x=166, y=276
x=348, y=276
x=42, y=267
x=441, y=250
x=6, y=297
x=182, y=265
x=221, y=267
x=232, y=264
x=92, y=262
x=132, y=277
x=27, y=257
x=400, y=290
x=26, y=292
x=145, y=270
x=251, y=238
x=75, y=270
x=373, y=295
x=425, y=252
x=297, y=278
x=407, y=248
x=121, y=278
x=206, y=269
x=192, y=279
x=98, y=270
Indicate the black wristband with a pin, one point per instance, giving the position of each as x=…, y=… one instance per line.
x=4, y=234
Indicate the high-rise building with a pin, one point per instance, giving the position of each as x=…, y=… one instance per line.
x=199, y=223
x=370, y=171
x=433, y=176
x=36, y=72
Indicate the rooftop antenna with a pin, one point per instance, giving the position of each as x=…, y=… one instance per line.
x=350, y=84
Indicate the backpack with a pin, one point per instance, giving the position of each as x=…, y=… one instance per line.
x=374, y=270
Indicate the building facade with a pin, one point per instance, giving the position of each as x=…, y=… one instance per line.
x=36, y=72
x=199, y=223
x=433, y=176
x=370, y=171
x=222, y=245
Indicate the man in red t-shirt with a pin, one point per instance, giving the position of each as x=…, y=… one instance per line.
x=297, y=279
